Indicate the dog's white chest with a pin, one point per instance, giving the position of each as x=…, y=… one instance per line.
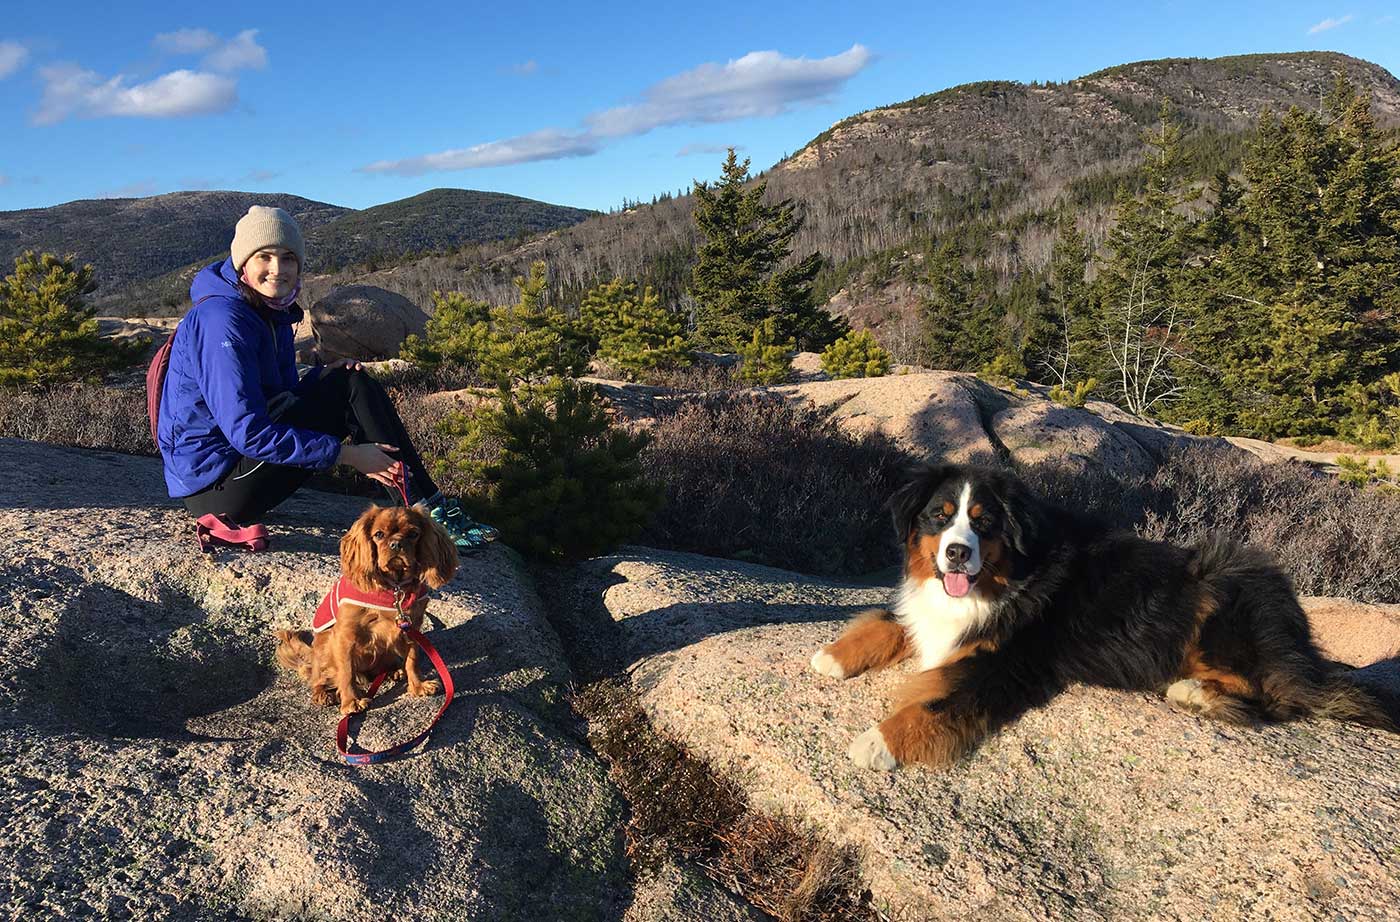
x=937, y=622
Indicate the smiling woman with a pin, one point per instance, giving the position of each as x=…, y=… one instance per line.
x=239, y=430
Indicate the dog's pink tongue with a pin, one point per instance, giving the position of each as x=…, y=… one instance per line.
x=956, y=585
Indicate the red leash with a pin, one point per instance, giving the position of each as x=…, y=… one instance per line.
x=342, y=732
x=211, y=530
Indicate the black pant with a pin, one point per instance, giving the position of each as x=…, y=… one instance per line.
x=342, y=403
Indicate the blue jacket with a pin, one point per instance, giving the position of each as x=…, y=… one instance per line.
x=226, y=363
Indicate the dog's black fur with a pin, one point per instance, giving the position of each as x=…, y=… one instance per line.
x=1074, y=601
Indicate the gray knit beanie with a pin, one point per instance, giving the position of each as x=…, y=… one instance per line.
x=265, y=227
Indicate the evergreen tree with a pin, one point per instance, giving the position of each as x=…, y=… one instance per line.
x=961, y=327
x=47, y=334
x=736, y=282
x=856, y=355
x=765, y=358
x=631, y=335
x=565, y=484
x=455, y=334
x=1069, y=334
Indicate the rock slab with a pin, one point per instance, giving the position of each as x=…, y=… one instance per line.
x=1103, y=805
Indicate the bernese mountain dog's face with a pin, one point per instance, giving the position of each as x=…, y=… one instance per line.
x=969, y=527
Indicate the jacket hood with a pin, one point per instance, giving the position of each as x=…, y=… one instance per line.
x=220, y=280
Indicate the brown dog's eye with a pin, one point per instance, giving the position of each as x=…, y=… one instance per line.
x=379, y=535
x=412, y=534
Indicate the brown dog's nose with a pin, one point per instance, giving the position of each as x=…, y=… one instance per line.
x=394, y=544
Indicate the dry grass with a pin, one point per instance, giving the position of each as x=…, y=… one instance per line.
x=755, y=478
x=79, y=415
x=680, y=809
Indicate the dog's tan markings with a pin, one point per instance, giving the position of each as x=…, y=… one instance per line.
x=922, y=550
x=935, y=684
x=1205, y=688
x=873, y=641
x=949, y=507
x=916, y=733
x=975, y=511
x=993, y=580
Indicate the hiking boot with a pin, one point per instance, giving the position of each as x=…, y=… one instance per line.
x=467, y=534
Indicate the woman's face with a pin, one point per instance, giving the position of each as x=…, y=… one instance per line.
x=272, y=272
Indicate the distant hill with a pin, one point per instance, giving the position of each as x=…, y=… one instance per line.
x=435, y=220
x=988, y=161
x=131, y=239
x=146, y=249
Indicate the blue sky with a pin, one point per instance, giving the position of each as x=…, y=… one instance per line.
x=570, y=103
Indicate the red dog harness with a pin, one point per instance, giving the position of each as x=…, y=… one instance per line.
x=384, y=600
x=398, y=601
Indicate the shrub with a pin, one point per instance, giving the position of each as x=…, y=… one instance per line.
x=764, y=359
x=633, y=336
x=523, y=342
x=754, y=478
x=47, y=334
x=1358, y=472
x=565, y=483
x=81, y=415
x=856, y=355
x=1075, y=397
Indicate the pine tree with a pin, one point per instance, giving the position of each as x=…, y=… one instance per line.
x=1069, y=335
x=455, y=334
x=47, y=334
x=736, y=282
x=566, y=483
x=856, y=355
x=961, y=328
x=632, y=335
x=765, y=358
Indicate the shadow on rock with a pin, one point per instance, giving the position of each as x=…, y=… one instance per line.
x=118, y=666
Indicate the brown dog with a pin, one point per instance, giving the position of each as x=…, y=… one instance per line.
x=387, y=549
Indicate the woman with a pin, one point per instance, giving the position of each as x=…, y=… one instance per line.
x=238, y=431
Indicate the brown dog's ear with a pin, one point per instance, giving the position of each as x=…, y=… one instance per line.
x=357, y=551
x=436, y=550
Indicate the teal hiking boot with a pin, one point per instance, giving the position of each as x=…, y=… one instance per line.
x=467, y=534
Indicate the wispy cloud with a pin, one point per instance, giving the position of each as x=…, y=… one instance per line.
x=186, y=41
x=526, y=69
x=1330, y=24
x=72, y=92
x=4, y=180
x=12, y=58
x=526, y=148
x=761, y=83
x=238, y=53
x=691, y=150
x=260, y=175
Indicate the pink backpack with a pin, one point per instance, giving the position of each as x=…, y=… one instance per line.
x=155, y=383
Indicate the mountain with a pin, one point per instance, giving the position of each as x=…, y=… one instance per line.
x=146, y=249
x=435, y=220
x=987, y=161
x=132, y=239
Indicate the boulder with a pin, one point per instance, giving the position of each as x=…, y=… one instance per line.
x=1102, y=805
x=363, y=322
x=155, y=763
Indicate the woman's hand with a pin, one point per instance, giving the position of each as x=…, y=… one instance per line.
x=351, y=364
x=369, y=458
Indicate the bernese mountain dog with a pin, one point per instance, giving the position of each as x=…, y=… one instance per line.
x=1007, y=599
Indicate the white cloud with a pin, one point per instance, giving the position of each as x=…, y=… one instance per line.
x=72, y=92
x=186, y=41
x=761, y=83
x=692, y=149
x=539, y=145
x=1330, y=24
x=12, y=58
x=239, y=53
x=526, y=69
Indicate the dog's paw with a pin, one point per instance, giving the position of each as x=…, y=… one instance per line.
x=425, y=688
x=824, y=663
x=321, y=696
x=355, y=705
x=869, y=751
x=1188, y=695
x=396, y=676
